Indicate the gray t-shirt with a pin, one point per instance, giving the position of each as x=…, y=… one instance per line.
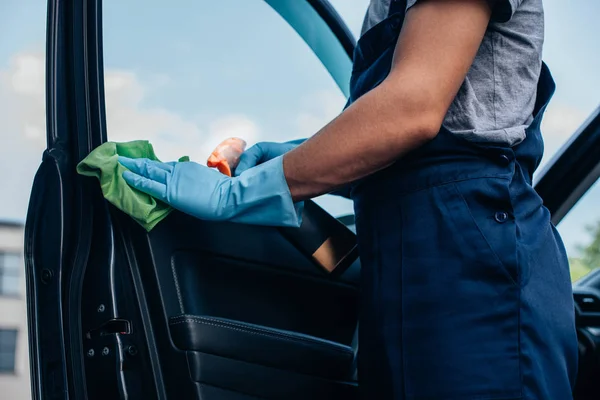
x=496, y=100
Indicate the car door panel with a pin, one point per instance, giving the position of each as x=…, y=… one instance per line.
x=243, y=298
x=274, y=383
x=267, y=296
x=211, y=392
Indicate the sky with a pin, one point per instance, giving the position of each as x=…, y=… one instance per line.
x=187, y=77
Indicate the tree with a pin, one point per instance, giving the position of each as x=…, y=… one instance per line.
x=591, y=253
x=589, y=258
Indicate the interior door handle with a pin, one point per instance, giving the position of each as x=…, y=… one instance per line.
x=111, y=327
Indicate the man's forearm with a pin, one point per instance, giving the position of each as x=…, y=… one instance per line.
x=371, y=134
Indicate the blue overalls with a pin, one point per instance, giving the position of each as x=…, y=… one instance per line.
x=466, y=293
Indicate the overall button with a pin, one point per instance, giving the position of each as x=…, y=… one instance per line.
x=504, y=158
x=501, y=216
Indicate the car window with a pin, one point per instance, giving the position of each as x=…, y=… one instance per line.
x=571, y=29
x=186, y=81
x=569, y=50
x=202, y=74
x=352, y=12
x=580, y=231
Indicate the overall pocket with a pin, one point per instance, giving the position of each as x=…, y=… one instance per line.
x=491, y=231
x=460, y=292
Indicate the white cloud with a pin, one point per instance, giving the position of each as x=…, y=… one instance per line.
x=27, y=75
x=233, y=126
x=126, y=119
x=171, y=134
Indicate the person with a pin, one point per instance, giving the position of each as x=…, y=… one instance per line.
x=465, y=288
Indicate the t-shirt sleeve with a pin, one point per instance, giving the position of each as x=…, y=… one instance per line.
x=502, y=11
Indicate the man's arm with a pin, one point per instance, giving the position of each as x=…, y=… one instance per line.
x=437, y=45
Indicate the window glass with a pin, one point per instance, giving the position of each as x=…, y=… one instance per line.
x=186, y=81
x=569, y=50
x=352, y=12
x=8, y=347
x=10, y=273
x=580, y=231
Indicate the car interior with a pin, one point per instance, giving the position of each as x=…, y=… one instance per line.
x=198, y=309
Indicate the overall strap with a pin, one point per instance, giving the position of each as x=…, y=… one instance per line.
x=397, y=7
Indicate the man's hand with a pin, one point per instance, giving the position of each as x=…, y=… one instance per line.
x=262, y=152
x=260, y=196
x=435, y=50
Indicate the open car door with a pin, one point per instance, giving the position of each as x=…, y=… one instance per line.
x=193, y=309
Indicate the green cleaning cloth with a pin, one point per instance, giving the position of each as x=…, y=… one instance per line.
x=102, y=163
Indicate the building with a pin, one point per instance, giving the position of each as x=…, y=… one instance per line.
x=14, y=348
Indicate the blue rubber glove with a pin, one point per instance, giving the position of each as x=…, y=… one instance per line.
x=262, y=152
x=260, y=196
x=265, y=151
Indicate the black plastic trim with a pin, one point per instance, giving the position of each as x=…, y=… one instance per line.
x=347, y=220
x=336, y=24
x=58, y=230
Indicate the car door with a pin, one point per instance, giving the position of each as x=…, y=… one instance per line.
x=192, y=309
x=195, y=309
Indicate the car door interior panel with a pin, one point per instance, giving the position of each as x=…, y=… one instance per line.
x=253, y=293
x=262, y=345
x=211, y=392
x=264, y=382
x=253, y=315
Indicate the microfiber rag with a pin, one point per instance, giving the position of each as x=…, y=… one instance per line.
x=103, y=163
